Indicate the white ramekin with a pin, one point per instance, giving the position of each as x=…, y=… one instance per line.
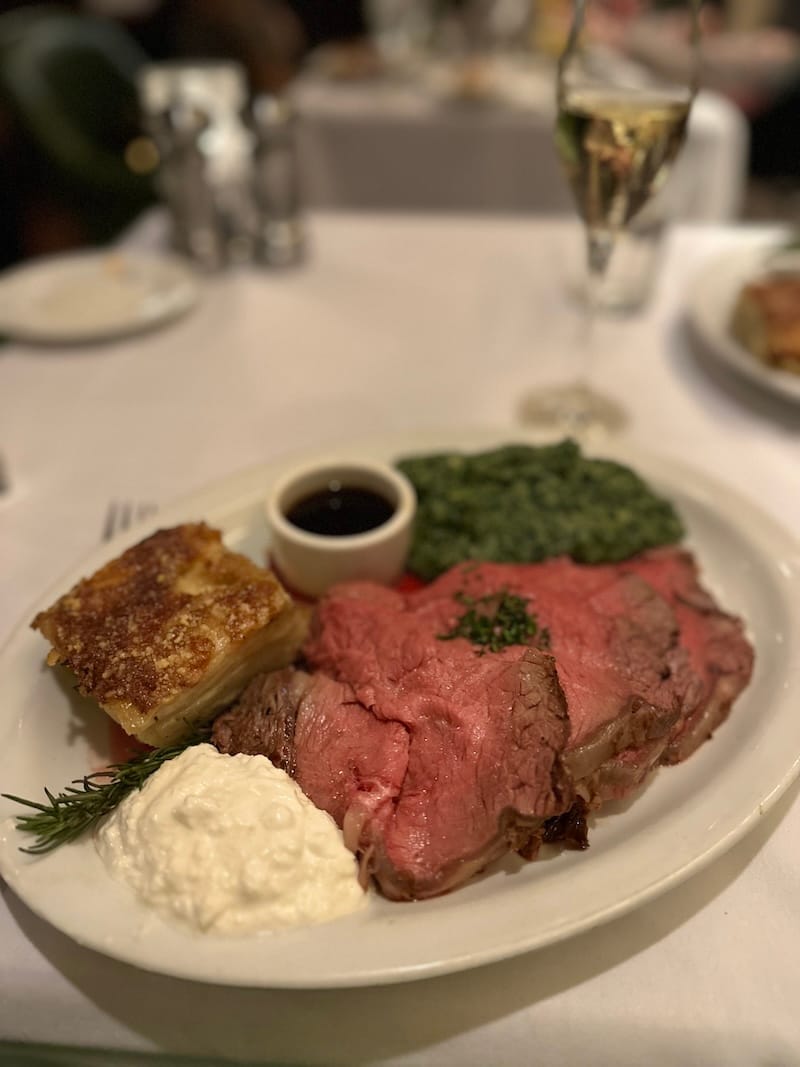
x=311, y=563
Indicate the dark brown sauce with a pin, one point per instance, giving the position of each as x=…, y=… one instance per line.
x=340, y=511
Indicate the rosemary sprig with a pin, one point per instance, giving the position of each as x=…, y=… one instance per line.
x=496, y=621
x=69, y=814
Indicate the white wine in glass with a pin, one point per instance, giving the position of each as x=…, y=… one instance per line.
x=618, y=131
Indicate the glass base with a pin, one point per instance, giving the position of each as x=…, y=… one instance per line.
x=572, y=411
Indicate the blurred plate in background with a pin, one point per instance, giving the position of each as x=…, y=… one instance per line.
x=93, y=296
x=710, y=303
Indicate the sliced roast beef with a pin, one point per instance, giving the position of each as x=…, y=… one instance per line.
x=453, y=761
x=720, y=656
x=618, y=657
x=263, y=721
x=686, y=659
x=348, y=762
x=436, y=756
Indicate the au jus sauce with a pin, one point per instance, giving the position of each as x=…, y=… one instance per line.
x=340, y=510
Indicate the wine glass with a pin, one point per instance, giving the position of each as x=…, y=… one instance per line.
x=619, y=128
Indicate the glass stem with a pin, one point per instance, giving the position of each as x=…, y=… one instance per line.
x=599, y=246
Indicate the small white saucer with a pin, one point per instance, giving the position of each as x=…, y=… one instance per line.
x=93, y=296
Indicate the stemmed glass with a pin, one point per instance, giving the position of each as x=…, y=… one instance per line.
x=619, y=128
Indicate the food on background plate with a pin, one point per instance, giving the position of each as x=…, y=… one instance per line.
x=766, y=320
x=437, y=753
x=522, y=504
x=171, y=631
x=229, y=845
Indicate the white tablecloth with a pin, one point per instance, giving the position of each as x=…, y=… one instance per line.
x=394, y=324
x=388, y=145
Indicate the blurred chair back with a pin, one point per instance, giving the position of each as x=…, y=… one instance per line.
x=69, y=82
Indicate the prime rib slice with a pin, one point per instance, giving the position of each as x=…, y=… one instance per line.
x=434, y=767
x=348, y=762
x=720, y=656
x=618, y=656
x=435, y=758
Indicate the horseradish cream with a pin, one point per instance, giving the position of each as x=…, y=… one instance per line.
x=230, y=844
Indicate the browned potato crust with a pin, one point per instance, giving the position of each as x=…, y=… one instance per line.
x=172, y=630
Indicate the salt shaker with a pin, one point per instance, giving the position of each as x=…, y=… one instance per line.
x=192, y=110
x=280, y=233
x=187, y=189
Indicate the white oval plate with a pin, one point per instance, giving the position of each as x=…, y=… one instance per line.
x=710, y=301
x=93, y=296
x=686, y=817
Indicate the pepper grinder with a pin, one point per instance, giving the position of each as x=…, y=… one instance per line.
x=280, y=233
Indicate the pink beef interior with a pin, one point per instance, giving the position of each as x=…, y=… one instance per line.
x=614, y=638
x=719, y=654
x=484, y=737
x=436, y=757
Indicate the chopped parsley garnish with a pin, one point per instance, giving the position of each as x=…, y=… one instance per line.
x=497, y=621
